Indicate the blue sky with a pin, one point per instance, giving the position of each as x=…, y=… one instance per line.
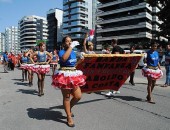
x=11, y=11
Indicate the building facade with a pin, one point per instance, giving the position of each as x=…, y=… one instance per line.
x=31, y=29
x=77, y=18
x=2, y=43
x=129, y=21
x=11, y=39
x=55, y=21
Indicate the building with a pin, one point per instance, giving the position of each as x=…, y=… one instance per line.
x=2, y=43
x=31, y=29
x=55, y=21
x=130, y=21
x=77, y=18
x=11, y=39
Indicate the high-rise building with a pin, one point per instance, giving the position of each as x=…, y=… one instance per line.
x=77, y=18
x=129, y=21
x=31, y=29
x=2, y=43
x=11, y=39
x=55, y=21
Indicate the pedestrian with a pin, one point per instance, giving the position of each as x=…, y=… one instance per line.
x=68, y=79
x=106, y=49
x=42, y=67
x=116, y=50
x=131, y=81
x=167, y=65
x=5, y=61
x=152, y=71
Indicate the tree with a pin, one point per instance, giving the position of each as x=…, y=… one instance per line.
x=163, y=15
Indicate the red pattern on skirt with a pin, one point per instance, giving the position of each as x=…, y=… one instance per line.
x=68, y=82
x=154, y=74
x=40, y=69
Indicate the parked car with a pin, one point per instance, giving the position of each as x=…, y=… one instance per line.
x=141, y=63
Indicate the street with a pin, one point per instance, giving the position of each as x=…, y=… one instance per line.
x=22, y=109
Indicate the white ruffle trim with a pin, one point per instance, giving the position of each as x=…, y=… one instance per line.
x=69, y=72
x=41, y=66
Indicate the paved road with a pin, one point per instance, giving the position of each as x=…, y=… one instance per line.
x=22, y=109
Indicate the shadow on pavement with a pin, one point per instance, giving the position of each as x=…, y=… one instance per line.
x=31, y=92
x=21, y=83
x=129, y=98
x=4, y=72
x=17, y=79
x=147, y=84
x=79, y=103
x=45, y=114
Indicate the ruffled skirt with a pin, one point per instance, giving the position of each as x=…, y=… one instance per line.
x=41, y=69
x=23, y=66
x=29, y=67
x=68, y=79
x=53, y=63
x=153, y=73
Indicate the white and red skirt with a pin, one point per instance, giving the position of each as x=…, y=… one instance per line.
x=29, y=66
x=53, y=63
x=68, y=79
x=153, y=72
x=41, y=69
x=23, y=66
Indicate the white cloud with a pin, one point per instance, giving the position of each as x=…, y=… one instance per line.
x=6, y=1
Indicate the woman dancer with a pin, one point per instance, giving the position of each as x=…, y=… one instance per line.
x=42, y=67
x=23, y=63
x=68, y=78
x=88, y=45
x=152, y=71
x=30, y=68
x=54, y=61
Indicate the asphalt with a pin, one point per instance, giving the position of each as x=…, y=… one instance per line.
x=22, y=109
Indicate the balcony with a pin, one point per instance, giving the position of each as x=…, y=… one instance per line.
x=138, y=35
x=140, y=15
x=137, y=26
x=111, y=4
x=141, y=5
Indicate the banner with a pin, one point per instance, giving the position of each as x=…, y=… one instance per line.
x=107, y=71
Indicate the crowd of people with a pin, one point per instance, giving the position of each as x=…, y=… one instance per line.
x=68, y=78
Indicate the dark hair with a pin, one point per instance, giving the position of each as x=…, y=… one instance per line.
x=114, y=41
x=64, y=39
x=132, y=46
x=153, y=43
x=41, y=44
x=88, y=44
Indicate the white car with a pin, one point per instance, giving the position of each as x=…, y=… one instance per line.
x=141, y=63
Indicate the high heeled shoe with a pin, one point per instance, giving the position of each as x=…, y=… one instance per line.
x=149, y=100
x=70, y=123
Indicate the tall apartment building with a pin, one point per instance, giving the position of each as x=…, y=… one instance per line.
x=11, y=39
x=31, y=29
x=126, y=20
x=55, y=21
x=77, y=18
x=2, y=43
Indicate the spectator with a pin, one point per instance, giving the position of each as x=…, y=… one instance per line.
x=116, y=50
x=5, y=61
x=167, y=66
